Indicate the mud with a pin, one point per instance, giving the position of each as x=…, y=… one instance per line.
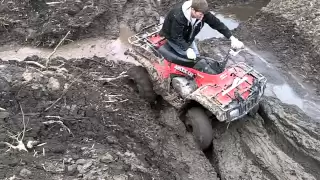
x=280, y=145
x=43, y=23
x=113, y=132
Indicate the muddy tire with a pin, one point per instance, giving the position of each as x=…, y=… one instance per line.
x=254, y=111
x=199, y=124
x=142, y=83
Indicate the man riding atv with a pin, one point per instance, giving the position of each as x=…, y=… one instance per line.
x=185, y=20
x=204, y=89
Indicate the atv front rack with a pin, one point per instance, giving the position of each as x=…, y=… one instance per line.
x=256, y=91
x=250, y=70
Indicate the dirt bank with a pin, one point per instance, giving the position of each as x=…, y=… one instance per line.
x=113, y=133
x=290, y=30
x=45, y=23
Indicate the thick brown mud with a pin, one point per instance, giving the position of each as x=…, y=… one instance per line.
x=113, y=133
x=279, y=145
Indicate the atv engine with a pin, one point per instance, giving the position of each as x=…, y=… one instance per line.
x=183, y=86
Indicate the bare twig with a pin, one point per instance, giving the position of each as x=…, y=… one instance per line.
x=20, y=145
x=55, y=49
x=42, y=144
x=23, y=122
x=35, y=63
x=125, y=100
x=121, y=75
x=54, y=117
x=35, y=153
x=53, y=3
x=64, y=92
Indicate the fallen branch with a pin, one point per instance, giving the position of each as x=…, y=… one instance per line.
x=35, y=63
x=64, y=92
x=20, y=145
x=55, y=49
x=121, y=75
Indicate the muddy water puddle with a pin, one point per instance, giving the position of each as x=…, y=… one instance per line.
x=111, y=49
x=231, y=16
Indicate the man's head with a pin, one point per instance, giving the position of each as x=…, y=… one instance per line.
x=198, y=8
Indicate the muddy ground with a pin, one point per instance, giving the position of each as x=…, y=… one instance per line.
x=114, y=134
x=109, y=132
x=43, y=23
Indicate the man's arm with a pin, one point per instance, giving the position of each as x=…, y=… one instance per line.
x=215, y=23
x=177, y=34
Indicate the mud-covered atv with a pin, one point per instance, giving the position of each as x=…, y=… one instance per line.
x=201, y=89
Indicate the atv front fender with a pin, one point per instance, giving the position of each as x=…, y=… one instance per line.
x=205, y=101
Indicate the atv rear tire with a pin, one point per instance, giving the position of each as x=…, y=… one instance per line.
x=198, y=122
x=254, y=111
x=142, y=83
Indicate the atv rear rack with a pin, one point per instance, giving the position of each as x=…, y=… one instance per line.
x=140, y=42
x=143, y=34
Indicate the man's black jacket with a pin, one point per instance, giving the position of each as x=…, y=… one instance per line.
x=178, y=29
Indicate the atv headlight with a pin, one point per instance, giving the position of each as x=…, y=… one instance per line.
x=234, y=113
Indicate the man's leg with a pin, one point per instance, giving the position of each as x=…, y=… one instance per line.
x=195, y=48
x=177, y=48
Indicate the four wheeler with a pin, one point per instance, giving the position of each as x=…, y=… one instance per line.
x=201, y=89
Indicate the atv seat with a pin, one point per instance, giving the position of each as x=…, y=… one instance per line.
x=171, y=55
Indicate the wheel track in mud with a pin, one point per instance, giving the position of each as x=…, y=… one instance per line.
x=310, y=164
x=260, y=147
x=250, y=155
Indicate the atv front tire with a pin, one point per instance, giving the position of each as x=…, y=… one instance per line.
x=142, y=83
x=199, y=124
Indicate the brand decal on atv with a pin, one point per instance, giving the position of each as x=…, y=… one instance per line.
x=184, y=70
